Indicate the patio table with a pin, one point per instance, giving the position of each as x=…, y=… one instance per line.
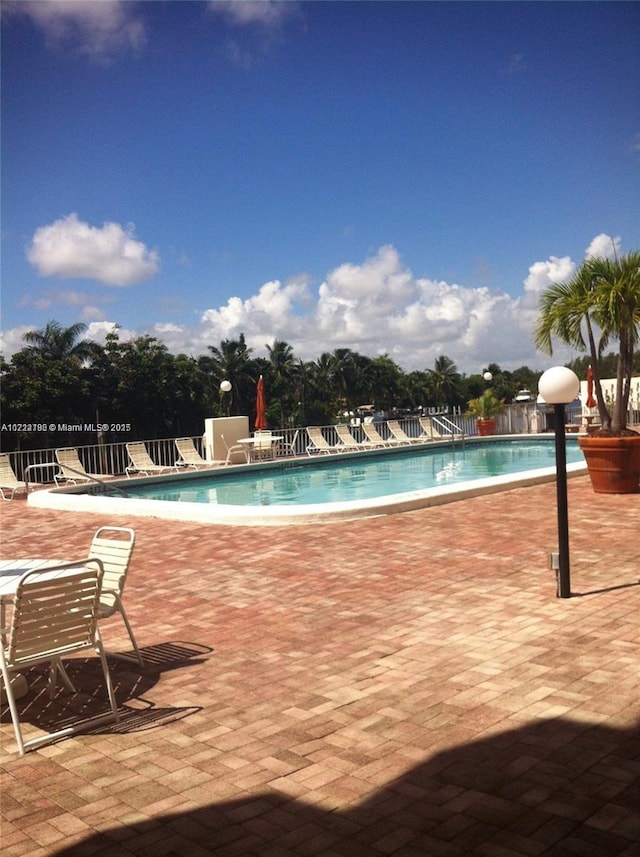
x=259, y=444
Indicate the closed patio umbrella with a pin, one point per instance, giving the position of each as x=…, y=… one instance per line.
x=591, y=402
x=261, y=406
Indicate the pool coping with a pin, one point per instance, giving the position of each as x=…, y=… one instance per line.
x=75, y=499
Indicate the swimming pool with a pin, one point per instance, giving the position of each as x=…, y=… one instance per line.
x=359, y=478
x=327, y=489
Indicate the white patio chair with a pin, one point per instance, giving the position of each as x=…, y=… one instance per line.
x=348, y=441
x=319, y=443
x=376, y=438
x=263, y=445
x=430, y=432
x=55, y=614
x=72, y=469
x=232, y=450
x=190, y=457
x=141, y=461
x=400, y=434
x=286, y=447
x=113, y=546
x=8, y=479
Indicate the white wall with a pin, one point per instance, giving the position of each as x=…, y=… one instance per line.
x=232, y=428
x=609, y=390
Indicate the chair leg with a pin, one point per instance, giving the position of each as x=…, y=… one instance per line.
x=56, y=666
x=8, y=689
x=119, y=608
x=107, y=678
x=131, y=636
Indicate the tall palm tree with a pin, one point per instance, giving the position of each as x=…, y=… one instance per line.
x=57, y=342
x=283, y=364
x=601, y=302
x=230, y=362
x=444, y=378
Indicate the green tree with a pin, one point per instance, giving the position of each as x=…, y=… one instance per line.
x=282, y=364
x=601, y=302
x=56, y=342
x=231, y=362
x=443, y=381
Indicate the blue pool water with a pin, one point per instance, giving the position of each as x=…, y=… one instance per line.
x=358, y=477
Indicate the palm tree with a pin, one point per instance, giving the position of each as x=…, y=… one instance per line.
x=602, y=300
x=283, y=363
x=56, y=342
x=444, y=378
x=230, y=362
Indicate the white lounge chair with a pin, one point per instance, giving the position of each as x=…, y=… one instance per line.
x=8, y=479
x=190, y=457
x=55, y=614
x=319, y=443
x=400, y=434
x=113, y=546
x=374, y=436
x=72, y=469
x=348, y=440
x=430, y=432
x=141, y=461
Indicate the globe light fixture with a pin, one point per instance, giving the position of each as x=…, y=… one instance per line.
x=558, y=386
x=225, y=389
x=488, y=376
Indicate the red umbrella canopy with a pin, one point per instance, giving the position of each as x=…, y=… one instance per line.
x=261, y=406
x=591, y=402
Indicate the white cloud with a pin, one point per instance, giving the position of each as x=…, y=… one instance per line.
x=379, y=307
x=12, y=341
x=97, y=331
x=554, y=270
x=96, y=30
x=267, y=13
x=373, y=307
x=603, y=246
x=70, y=248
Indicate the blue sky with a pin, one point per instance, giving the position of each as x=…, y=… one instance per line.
x=391, y=177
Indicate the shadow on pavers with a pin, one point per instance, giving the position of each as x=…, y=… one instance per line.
x=559, y=788
x=130, y=683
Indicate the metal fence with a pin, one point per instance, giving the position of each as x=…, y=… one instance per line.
x=111, y=459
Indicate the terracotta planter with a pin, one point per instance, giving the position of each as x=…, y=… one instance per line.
x=613, y=462
x=486, y=427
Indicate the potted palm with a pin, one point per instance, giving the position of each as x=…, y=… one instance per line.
x=485, y=409
x=601, y=303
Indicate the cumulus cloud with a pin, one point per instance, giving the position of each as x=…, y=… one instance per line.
x=375, y=306
x=603, y=246
x=558, y=270
x=70, y=248
x=96, y=30
x=553, y=270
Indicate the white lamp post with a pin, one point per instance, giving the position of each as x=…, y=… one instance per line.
x=225, y=387
x=558, y=386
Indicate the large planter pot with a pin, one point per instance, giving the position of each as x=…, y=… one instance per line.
x=613, y=463
x=486, y=427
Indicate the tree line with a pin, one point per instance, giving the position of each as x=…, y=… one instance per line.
x=64, y=385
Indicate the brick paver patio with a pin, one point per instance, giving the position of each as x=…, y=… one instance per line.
x=407, y=685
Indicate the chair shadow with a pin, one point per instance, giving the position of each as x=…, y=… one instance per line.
x=130, y=683
x=555, y=788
